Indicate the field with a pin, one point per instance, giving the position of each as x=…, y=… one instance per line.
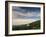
x=33, y=25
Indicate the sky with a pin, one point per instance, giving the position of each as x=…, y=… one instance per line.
x=23, y=15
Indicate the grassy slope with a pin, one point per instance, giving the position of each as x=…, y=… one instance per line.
x=33, y=25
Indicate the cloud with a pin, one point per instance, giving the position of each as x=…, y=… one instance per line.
x=18, y=9
x=22, y=21
x=24, y=15
x=26, y=9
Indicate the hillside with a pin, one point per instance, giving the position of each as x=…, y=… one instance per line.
x=33, y=25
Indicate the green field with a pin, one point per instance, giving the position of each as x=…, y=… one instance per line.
x=33, y=25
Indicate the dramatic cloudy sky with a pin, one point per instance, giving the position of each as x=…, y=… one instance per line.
x=23, y=15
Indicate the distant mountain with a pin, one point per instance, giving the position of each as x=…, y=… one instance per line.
x=33, y=25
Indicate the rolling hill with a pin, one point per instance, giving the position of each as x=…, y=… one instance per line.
x=33, y=25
